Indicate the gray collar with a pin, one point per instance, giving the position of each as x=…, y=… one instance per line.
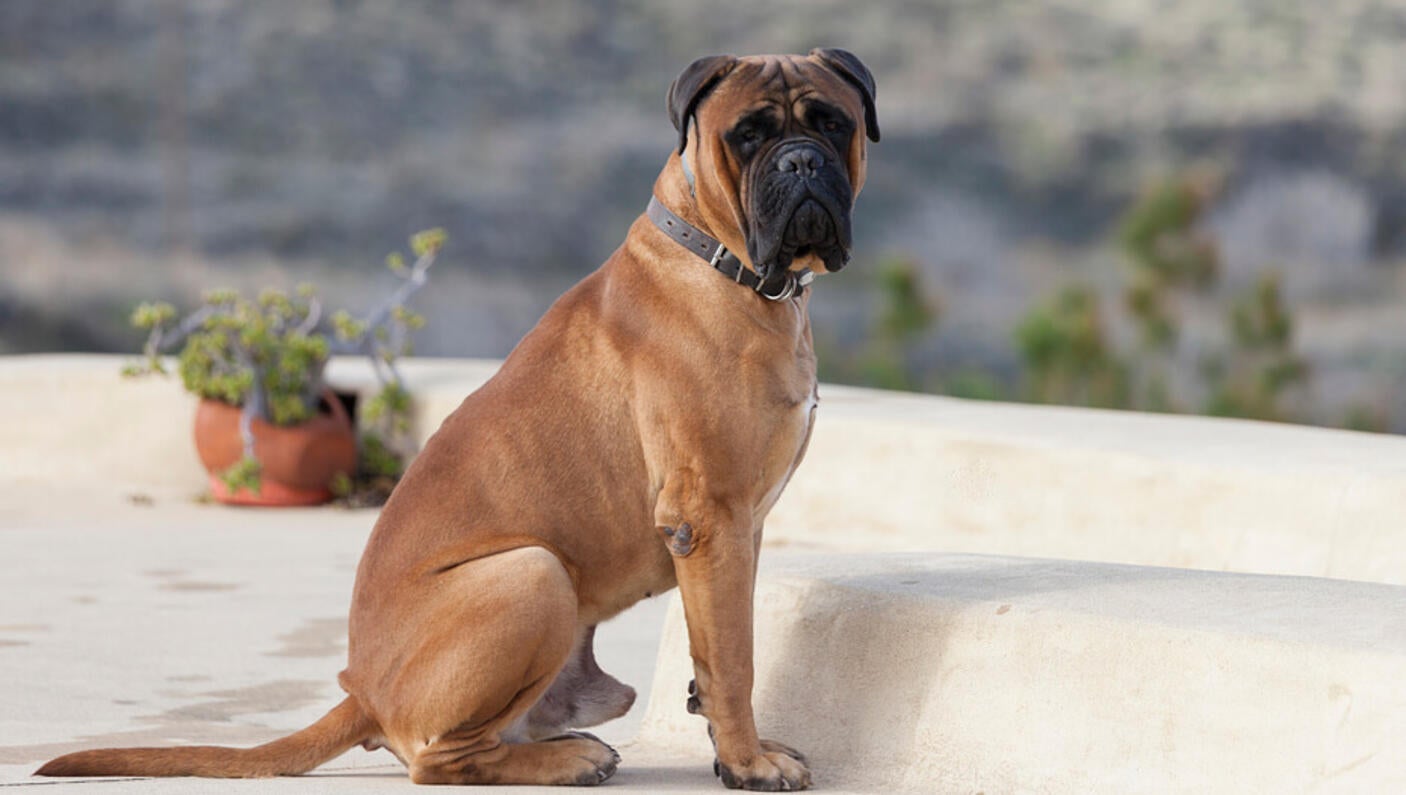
x=688, y=174
x=779, y=287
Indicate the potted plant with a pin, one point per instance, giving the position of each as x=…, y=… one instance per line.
x=268, y=429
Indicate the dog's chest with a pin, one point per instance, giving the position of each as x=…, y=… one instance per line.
x=790, y=436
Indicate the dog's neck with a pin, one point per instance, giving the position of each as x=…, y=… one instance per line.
x=679, y=277
x=679, y=195
x=781, y=286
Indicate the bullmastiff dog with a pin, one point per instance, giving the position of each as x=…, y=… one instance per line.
x=633, y=441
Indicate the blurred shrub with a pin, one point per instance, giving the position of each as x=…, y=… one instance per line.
x=1366, y=418
x=1066, y=354
x=1260, y=364
x=906, y=313
x=1170, y=259
x=972, y=384
x=1068, y=357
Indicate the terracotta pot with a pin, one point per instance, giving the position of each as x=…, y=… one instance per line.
x=298, y=461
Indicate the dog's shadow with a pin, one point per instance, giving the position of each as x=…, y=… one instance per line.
x=664, y=778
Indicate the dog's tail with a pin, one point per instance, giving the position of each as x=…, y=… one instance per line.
x=345, y=726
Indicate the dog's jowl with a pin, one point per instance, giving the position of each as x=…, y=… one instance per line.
x=633, y=441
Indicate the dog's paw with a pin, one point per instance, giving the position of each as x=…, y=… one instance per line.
x=767, y=745
x=594, y=762
x=778, y=768
x=782, y=748
x=694, y=705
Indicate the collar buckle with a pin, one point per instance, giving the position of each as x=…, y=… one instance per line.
x=791, y=285
x=718, y=255
x=787, y=289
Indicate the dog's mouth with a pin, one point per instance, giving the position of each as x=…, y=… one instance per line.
x=812, y=231
x=795, y=218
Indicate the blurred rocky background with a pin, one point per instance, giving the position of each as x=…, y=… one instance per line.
x=1193, y=206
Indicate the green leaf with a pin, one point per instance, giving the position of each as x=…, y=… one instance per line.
x=247, y=473
x=428, y=241
x=151, y=315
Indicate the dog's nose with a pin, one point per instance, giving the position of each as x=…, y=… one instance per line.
x=804, y=161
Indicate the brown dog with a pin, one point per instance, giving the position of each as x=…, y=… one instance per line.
x=634, y=440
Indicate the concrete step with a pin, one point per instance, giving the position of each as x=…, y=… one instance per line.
x=965, y=674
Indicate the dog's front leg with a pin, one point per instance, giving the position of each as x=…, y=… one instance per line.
x=714, y=561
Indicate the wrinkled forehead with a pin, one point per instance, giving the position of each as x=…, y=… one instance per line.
x=783, y=82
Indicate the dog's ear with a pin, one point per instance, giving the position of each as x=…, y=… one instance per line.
x=689, y=88
x=847, y=65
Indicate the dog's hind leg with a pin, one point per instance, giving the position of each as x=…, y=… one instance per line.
x=583, y=695
x=571, y=759
x=490, y=637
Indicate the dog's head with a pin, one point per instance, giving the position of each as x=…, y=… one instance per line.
x=775, y=146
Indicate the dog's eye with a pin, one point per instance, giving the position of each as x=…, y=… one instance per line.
x=828, y=121
x=748, y=136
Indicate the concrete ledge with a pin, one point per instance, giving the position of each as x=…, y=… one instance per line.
x=891, y=471
x=885, y=471
x=77, y=436
x=929, y=673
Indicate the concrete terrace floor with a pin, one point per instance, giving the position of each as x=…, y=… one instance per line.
x=203, y=624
